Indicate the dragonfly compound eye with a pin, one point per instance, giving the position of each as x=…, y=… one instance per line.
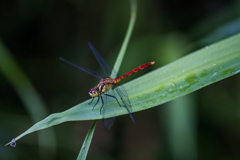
x=93, y=92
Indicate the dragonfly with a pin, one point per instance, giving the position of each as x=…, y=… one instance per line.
x=108, y=83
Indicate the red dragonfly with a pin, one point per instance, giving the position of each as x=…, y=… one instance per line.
x=107, y=84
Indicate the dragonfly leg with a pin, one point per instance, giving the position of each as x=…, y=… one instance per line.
x=102, y=105
x=96, y=103
x=91, y=101
x=113, y=97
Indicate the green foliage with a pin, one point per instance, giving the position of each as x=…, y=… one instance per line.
x=163, y=33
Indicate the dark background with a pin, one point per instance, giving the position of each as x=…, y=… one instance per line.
x=38, y=32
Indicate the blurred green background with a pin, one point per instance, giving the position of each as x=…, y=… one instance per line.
x=34, y=83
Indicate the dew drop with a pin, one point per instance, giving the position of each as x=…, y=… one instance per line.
x=12, y=143
x=170, y=89
x=214, y=74
x=172, y=84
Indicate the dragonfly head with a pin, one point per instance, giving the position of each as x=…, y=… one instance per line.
x=93, y=92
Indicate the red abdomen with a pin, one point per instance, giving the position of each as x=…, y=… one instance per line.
x=116, y=80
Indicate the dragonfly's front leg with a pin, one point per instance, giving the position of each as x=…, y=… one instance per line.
x=96, y=103
x=91, y=100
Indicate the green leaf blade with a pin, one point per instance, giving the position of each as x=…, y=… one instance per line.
x=190, y=73
x=187, y=74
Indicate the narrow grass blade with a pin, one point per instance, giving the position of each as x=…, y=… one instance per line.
x=86, y=144
x=133, y=16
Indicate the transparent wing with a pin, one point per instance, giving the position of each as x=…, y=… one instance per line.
x=109, y=107
x=122, y=93
x=105, y=66
x=108, y=122
x=95, y=74
x=116, y=97
x=123, y=96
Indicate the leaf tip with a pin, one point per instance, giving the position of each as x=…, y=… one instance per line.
x=12, y=143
